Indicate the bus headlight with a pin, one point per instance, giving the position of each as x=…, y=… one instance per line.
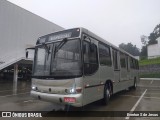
x=72, y=90
x=33, y=88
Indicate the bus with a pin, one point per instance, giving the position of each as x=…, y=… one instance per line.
x=76, y=67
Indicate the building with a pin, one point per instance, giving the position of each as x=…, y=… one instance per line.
x=154, y=50
x=19, y=31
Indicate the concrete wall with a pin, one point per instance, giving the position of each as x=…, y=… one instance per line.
x=19, y=29
x=154, y=50
x=149, y=69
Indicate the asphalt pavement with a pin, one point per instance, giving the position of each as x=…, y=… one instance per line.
x=145, y=98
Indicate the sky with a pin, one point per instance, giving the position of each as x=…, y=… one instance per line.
x=117, y=21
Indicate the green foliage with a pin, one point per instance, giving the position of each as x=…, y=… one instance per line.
x=143, y=52
x=143, y=58
x=149, y=61
x=152, y=39
x=157, y=31
x=130, y=48
x=151, y=75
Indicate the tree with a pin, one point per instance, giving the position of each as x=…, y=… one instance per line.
x=130, y=48
x=156, y=31
x=144, y=40
x=152, y=39
x=143, y=53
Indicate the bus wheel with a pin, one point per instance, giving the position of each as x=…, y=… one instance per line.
x=106, y=95
x=135, y=84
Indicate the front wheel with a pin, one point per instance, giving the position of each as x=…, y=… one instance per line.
x=135, y=84
x=106, y=95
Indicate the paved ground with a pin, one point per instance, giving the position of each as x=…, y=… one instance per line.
x=145, y=98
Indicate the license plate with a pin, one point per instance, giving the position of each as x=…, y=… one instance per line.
x=70, y=99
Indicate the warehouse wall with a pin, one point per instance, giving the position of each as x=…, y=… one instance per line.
x=19, y=29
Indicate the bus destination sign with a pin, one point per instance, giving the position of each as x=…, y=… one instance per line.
x=59, y=35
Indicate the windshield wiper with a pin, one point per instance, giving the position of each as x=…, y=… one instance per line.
x=59, y=46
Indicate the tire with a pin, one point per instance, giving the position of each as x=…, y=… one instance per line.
x=107, y=95
x=135, y=84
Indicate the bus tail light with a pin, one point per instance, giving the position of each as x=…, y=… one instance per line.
x=69, y=99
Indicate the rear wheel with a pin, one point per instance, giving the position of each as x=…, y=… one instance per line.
x=135, y=84
x=107, y=95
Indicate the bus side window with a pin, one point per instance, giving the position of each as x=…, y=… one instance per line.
x=127, y=60
x=115, y=61
x=90, y=58
x=123, y=60
x=137, y=65
x=131, y=62
x=104, y=55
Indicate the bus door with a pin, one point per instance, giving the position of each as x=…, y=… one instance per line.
x=123, y=70
x=48, y=49
x=91, y=74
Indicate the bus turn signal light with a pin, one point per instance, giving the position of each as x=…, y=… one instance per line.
x=79, y=90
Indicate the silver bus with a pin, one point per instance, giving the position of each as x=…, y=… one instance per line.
x=76, y=67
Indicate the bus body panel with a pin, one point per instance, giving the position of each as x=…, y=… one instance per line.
x=53, y=90
x=58, y=98
x=92, y=86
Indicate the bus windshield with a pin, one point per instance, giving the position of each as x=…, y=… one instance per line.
x=65, y=62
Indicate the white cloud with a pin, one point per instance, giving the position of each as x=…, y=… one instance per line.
x=115, y=20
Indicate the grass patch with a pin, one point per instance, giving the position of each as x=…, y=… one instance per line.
x=149, y=61
x=151, y=75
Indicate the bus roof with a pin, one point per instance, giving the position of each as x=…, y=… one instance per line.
x=76, y=32
x=104, y=41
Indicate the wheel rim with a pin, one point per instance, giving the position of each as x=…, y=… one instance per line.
x=108, y=93
x=135, y=84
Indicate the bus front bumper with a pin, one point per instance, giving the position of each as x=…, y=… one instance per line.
x=58, y=98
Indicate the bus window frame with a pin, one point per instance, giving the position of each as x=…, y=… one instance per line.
x=118, y=59
x=128, y=63
x=124, y=55
x=109, y=48
x=89, y=39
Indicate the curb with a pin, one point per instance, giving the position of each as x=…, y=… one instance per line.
x=149, y=78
